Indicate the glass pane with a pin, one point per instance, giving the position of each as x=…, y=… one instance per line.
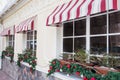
x=10, y=43
x=80, y=27
x=98, y=45
x=29, y=35
x=35, y=36
x=80, y=43
x=68, y=45
x=28, y=44
x=68, y=29
x=10, y=38
x=98, y=25
x=114, y=22
x=114, y=43
x=35, y=46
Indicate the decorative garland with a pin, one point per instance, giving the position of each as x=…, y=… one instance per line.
x=29, y=58
x=55, y=66
x=9, y=52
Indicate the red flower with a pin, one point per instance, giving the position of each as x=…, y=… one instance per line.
x=48, y=70
x=57, y=70
x=68, y=65
x=53, y=62
x=92, y=78
x=85, y=78
x=77, y=73
x=51, y=67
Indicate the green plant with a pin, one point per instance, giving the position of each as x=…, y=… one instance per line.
x=9, y=52
x=3, y=54
x=80, y=56
x=55, y=66
x=27, y=57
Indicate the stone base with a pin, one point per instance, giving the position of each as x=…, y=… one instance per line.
x=23, y=72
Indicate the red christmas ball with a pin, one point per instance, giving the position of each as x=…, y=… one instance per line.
x=57, y=70
x=85, y=78
x=51, y=67
x=92, y=78
x=68, y=66
x=48, y=70
x=77, y=73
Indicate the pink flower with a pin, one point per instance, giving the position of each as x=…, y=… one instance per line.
x=92, y=78
x=77, y=73
x=68, y=66
x=51, y=67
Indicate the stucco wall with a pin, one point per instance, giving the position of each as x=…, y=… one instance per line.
x=47, y=47
x=48, y=38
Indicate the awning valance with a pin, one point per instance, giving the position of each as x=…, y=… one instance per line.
x=79, y=8
x=28, y=24
x=8, y=31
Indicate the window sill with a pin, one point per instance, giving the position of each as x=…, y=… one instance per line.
x=7, y=57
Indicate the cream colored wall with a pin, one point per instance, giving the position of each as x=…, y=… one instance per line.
x=46, y=36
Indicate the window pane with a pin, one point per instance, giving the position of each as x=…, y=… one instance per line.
x=10, y=43
x=29, y=35
x=80, y=27
x=98, y=45
x=114, y=22
x=114, y=43
x=68, y=45
x=98, y=25
x=68, y=29
x=80, y=43
x=10, y=38
x=28, y=44
x=35, y=36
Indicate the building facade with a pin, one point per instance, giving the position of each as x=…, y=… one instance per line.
x=51, y=30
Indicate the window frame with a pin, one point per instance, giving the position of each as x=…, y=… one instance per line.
x=31, y=40
x=88, y=35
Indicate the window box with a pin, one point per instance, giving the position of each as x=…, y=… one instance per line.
x=82, y=70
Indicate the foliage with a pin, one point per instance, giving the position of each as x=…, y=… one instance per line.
x=27, y=57
x=55, y=66
x=111, y=60
x=9, y=52
x=80, y=56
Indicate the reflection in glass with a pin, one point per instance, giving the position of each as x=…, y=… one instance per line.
x=68, y=45
x=80, y=27
x=68, y=29
x=80, y=43
x=114, y=22
x=114, y=43
x=98, y=25
x=98, y=45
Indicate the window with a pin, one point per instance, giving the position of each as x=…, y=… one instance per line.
x=74, y=36
x=31, y=40
x=100, y=34
x=11, y=40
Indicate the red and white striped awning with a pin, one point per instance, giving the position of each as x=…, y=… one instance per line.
x=28, y=24
x=79, y=8
x=7, y=31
